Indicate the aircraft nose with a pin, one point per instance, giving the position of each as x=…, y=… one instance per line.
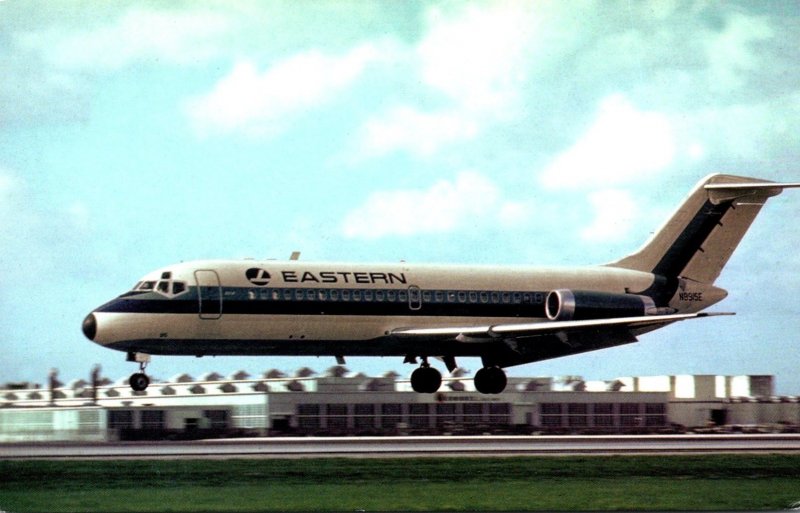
x=90, y=326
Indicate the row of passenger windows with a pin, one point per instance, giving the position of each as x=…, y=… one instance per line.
x=394, y=295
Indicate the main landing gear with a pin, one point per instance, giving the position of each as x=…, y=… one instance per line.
x=490, y=380
x=427, y=380
x=139, y=380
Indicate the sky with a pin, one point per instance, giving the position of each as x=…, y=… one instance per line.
x=134, y=135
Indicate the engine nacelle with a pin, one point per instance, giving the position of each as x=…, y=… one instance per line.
x=578, y=305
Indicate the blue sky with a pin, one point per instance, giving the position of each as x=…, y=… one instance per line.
x=138, y=134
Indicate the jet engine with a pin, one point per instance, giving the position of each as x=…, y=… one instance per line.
x=578, y=305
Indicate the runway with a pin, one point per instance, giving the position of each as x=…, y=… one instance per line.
x=391, y=447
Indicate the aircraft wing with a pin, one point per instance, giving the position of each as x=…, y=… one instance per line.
x=506, y=345
x=555, y=328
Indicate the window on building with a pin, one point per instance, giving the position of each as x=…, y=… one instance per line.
x=120, y=419
x=337, y=417
x=308, y=416
x=499, y=413
x=418, y=415
x=445, y=413
x=364, y=416
x=391, y=415
x=473, y=413
x=153, y=419
x=218, y=419
x=550, y=408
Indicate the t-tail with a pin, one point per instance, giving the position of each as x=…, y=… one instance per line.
x=689, y=252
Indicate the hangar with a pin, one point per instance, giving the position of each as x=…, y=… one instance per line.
x=338, y=402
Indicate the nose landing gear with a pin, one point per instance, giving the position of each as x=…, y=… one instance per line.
x=139, y=380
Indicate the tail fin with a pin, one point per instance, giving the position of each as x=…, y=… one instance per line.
x=701, y=235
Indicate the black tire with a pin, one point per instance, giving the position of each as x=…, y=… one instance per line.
x=139, y=381
x=490, y=380
x=426, y=380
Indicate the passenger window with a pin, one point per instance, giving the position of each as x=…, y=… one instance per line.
x=310, y=294
x=473, y=297
x=427, y=296
x=439, y=296
x=334, y=295
x=484, y=297
x=462, y=297
x=356, y=295
x=367, y=295
x=495, y=297
x=517, y=298
x=345, y=295
x=402, y=296
x=506, y=297
x=451, y=296
x=380, y=295
x=251, y=295
x=322, y=294
x=276, y=295
x=391, y=295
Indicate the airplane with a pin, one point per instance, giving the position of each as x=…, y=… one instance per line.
x=504, y=315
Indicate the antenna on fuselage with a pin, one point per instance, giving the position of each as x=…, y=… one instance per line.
x=295, y=255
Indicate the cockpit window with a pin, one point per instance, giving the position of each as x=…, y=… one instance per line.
x=164, y=286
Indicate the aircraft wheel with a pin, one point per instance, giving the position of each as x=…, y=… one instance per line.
x=490, y=380
x=139, y=381
x=426, y=380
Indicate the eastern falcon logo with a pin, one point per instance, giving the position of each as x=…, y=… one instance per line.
x=257, y=276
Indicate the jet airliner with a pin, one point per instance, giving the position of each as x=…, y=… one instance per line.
x=506, y=316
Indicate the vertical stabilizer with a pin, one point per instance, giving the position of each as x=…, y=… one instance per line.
x=701, y=235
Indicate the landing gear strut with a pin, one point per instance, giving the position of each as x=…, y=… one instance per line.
x=426, y=379
x=490, y=380
x=139, y=380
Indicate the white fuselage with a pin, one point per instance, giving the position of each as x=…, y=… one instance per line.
x=302, y=308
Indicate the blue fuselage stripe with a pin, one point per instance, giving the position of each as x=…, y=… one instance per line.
x=261, y=301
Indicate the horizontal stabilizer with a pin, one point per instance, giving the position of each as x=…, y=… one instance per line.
x=721, y=192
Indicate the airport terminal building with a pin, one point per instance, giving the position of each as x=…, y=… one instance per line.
x=340, y=403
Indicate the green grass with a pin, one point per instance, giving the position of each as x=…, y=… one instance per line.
x=716, y=482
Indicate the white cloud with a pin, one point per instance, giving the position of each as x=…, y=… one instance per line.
x=475, y=62
x=445, y=207
x=730, y=53
x=477, y=58
x=615, y=212
x=421, y=133
x=258, y=103
x=174, y=36
x=622, y=144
